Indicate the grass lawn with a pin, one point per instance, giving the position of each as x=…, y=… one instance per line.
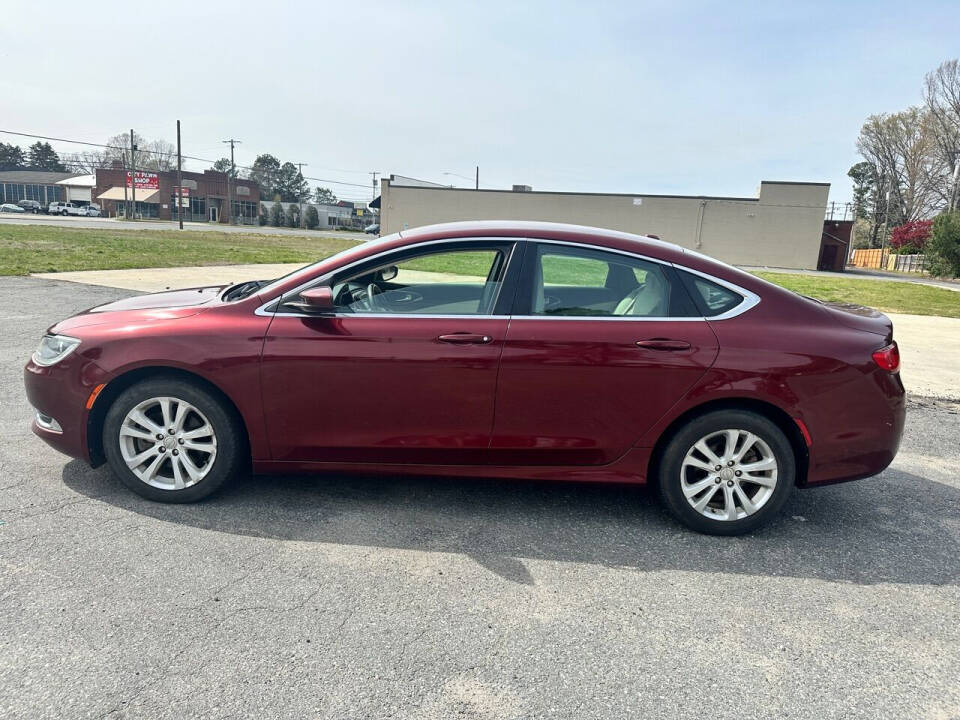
x=27, y=249
x=888, y=296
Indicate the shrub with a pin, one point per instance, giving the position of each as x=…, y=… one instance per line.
x=944, y=245
x=276, y=214
x=293, y=219
x=263, y=218
x=914, y=234
x=311, y=217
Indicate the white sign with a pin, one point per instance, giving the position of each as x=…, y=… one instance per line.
x=638, y=201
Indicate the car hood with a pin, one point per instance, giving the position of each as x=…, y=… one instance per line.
x=154, y=307
x=859, y=317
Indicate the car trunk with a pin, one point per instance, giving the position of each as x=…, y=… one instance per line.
x=860, y=318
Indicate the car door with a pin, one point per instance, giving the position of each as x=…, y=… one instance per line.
x=600, y=346
x=404, y=369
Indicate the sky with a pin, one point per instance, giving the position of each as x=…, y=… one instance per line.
x=698, y=98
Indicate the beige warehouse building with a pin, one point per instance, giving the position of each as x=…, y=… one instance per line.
x=781, y=227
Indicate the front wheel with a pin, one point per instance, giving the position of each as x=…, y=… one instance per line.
x=170, y=440
x=727, y=472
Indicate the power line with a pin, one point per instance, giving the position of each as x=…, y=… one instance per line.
x=157, y=152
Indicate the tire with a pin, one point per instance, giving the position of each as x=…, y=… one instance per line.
x=684, y=468
x=205, y=451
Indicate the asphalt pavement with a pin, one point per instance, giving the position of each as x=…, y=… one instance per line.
x=340, y=597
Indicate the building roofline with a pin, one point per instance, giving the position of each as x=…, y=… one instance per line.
x=566, y=193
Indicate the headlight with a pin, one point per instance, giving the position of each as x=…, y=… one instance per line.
x=53, y=349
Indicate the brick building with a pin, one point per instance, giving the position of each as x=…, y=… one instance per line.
x=205, y=196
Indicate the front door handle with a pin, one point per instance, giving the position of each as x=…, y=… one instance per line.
x=663, y=344
x=465, y=339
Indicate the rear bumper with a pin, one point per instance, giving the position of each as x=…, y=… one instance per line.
x=864, y=434
x=60, y=392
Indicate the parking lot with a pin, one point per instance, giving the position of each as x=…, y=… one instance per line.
x=385, y=597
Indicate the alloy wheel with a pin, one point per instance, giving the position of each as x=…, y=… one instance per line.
x=728, y=474
x=167, y=443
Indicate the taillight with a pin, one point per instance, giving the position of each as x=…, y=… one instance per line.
x=888, y=358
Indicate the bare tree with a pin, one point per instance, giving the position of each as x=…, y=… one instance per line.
x=941, y=95
x=155, y=155
x=902, y=147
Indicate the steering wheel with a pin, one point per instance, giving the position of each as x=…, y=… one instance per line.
x=372, y=291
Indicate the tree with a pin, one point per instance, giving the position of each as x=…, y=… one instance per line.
x=276, y=213
x=11, y=157
x=225, y=166
x=864, y=184
x=151, y=155
x=264, y=172
x=87, y=161
x=900, y=145
x=941, y=96
x=324, y=196
x=311, y=217
x=291, y=185
x=41, y=156
x=944, y=245
x=293, y=218
x=911, y=237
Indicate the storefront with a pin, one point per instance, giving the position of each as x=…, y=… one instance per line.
x=206, y=196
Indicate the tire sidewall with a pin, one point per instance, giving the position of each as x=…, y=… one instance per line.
x=676, y=449
x=225, y=426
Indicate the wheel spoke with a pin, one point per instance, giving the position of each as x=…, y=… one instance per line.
x=749, y=439
x=193, y=471
x=205, y=431
x=142, y=420
x=707, y=452
x=208, y=447
x=137, y=460
x=698, y=487
x=767, y=463
x=135, y=432
x=759, y=480
x=699, y=464
x=748, y=507
x=177, y=464
x=730, y=443
x=180, y=415
x=700, y=504
x=166, y=412
x=150, y=473
x=728, y=503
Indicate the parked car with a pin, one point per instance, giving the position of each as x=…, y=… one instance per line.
x=11, y=208
x=31, y=206
x=508, y=349
x=66, y=208
x=372, y=229
x=92, y=211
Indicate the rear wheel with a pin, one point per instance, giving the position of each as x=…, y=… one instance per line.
x=171, y=440
x=727, y=472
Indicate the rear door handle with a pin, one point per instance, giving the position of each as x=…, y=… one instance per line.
x=465, y=339
x=663, y=344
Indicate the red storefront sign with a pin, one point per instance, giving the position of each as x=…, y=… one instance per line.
x=145, y=180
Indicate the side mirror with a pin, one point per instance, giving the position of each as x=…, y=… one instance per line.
x=315, y=300
x=389, y=273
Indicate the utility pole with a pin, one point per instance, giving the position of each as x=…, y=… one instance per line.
x=300, y=221
x=477, y=186
x=133, y=174
x=179, y=179
x=233, y=170
x=374, y=196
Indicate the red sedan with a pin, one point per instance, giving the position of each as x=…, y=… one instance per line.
x=509, y=349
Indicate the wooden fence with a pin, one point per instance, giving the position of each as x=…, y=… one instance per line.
x=883, y=259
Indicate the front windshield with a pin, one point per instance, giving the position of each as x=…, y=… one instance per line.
x=307, y=269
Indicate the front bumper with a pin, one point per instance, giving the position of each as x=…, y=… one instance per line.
x=60, y=393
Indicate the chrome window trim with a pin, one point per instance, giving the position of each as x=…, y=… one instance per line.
x=750, y=299
x=323, y=278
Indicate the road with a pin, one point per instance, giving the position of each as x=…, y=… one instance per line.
x=113, y=224
x=372, y=598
